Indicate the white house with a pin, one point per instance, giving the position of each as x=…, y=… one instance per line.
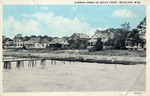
x=58, y=43
x=18, y=43
x=36, y=43
x=104, y=35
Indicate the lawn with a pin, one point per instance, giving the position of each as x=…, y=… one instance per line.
x=136, y=53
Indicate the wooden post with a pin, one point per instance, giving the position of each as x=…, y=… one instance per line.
x=35, y=62
x=32, y=62
x=29, y=63
x=55, y=62
x=43, y=63
x=51, y=61
x=18, y=64
x=64, y=61
x=69, y=60
x=5, y=65
x=23, y=64
x=9, y=65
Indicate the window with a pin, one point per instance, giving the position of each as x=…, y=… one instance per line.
x=126, y=43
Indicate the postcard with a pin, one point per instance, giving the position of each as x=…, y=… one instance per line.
x=74, y=48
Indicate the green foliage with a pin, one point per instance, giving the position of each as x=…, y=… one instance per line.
x=119, y=43
x=83, y=46
x=74, y=44
x=125, y=26
x=99, y=45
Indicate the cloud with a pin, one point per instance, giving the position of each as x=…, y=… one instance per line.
x=124, y=13
x=74, y=9
x=45, y=8
x=46, y=24
x=11, y=27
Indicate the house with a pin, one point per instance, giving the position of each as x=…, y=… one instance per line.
x=78, y=41
x=9, y=43
x=58, y=43
x=133, y=43
x=83, y=38
x=44, y=43
x=18, y=43
x=36, y=43
x=103, y=34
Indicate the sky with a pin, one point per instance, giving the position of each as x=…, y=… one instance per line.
x=64, y=20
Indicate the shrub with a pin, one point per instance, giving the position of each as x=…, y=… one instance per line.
x=99, y=44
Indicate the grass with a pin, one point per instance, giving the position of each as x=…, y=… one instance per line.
x=136, y=53
x=132, y=53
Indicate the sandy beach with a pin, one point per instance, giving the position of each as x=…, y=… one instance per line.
x=74, y=77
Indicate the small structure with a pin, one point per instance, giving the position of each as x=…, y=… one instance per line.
x=58, y=43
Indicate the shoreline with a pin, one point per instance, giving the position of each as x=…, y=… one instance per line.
x=125, y=60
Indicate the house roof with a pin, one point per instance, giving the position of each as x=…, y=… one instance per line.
x=59, y=41
x=44, y=40
x=104, y=35
x=33, y=40
x=9, y=41
x=80, y=35
x=18, y=40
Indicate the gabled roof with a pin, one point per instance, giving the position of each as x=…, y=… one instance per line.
x=33, y=40
x=59, y=41
x=44, y=40
x=18, y=40
x=10, y=41
x=80, y=35
x=99, y=34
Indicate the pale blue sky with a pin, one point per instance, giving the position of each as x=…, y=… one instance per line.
x=64, y=20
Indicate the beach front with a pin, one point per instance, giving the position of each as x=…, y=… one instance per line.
x=77, y=76
x=68, y=76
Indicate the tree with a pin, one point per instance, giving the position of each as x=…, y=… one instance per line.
x=26, y=38
x=126, y=26
x=48, y=38
x=142, y=24
x=18, y=36
x=99, y=44
x=74, y=44
x=117, y=44
x=33, y=36
x=83, y=45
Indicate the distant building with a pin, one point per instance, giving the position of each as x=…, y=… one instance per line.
x=78, y=41
x=132, y=43
x=58, y=43
x=36, y=43
x=83, y=38
x=18, y=43
x=103, y=34
x=9, y=43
